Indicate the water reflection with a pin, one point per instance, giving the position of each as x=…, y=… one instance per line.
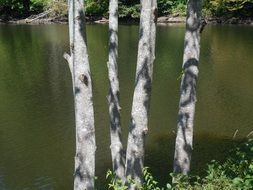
x=36, y=104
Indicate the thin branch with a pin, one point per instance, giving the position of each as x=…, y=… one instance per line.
x=39, y=16
x=69, y=60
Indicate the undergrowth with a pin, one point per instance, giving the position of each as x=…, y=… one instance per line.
x=235, y=173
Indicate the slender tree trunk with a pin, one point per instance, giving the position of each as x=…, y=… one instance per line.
x=82, y=87
x=183, y=146
x=141, y=99
x=117, y=151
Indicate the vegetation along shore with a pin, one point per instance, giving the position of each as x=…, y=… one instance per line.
x=55, y=11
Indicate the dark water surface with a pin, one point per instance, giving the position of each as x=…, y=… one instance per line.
x=36, y=108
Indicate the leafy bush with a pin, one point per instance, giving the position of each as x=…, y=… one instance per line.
x=96, y=7
x=114, y=183
x=164, y=6
x=148, y=184
x=229, y=7
x=56, y=7
x=179, y=9
x=235, y=173
x=126, y=11
x=128, y=8
x=11, y=6
x=172, y=7
x=38, y=5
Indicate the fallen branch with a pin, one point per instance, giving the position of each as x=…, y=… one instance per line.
x=41, y=15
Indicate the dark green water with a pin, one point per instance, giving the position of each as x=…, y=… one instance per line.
x=36, y=107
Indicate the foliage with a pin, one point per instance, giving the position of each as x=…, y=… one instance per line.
x=164, y=6
x=18, y=8
x=236, y=172
x=179, y=9
x=148, y=184
x=129, y=11
x=128, y=8
x=172, y=7
x=96, y=7
x=7, y=6
x=114, y=183
x=37, y=5
x=229, y=7
x=56, y=7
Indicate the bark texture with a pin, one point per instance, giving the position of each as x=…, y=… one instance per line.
x=183, y=146
x=117, y=151
x=141, y=98
x=82, y=87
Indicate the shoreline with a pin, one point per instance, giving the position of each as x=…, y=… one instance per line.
x=164, y=20
x=209, y=20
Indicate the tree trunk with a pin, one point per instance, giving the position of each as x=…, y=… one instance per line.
x=183, y=146
x=141, y=99
x=82, y=87
x=117, y=151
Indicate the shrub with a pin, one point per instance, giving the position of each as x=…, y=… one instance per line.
x=229, y=7
x=235, y=173
x=96, y=7
x=126, y=11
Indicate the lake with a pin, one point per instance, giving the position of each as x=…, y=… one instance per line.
x=37, y=132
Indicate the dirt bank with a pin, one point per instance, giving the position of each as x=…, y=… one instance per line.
x=39, y=19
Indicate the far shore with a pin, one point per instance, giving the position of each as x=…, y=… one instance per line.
x=163, y=20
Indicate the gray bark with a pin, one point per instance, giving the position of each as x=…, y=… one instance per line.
x=183, y=146
x=141, y=98
x=69, y=58
x=82, y=87
x=117, y=151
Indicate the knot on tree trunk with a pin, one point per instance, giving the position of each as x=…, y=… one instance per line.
x=145, y=131
x=84, y=79
x=203, y=23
